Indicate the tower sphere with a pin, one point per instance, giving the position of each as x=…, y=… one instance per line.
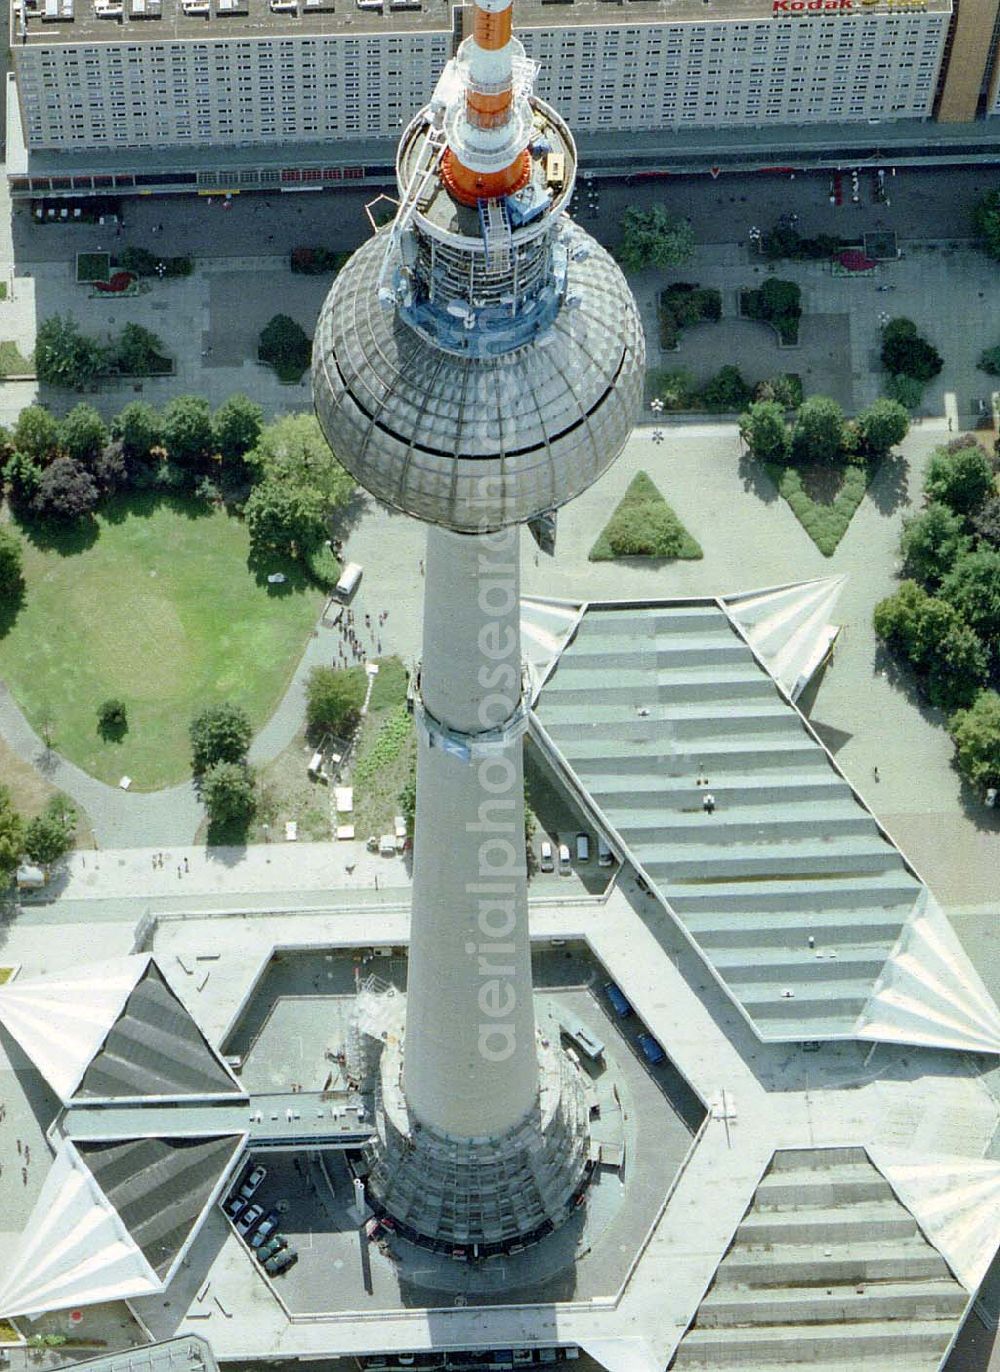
x=442, y=357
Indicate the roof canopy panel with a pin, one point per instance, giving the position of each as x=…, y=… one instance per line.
x=61, y=1022
x=154, y=1048
x=75, y=1249
x=160, y=1188
x=670, y=729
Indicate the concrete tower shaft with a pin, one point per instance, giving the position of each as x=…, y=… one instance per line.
x=471, y=1062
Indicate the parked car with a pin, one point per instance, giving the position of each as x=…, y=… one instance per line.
x=564, y=863
x=618, y=1001
x=248, y=1219
x=253, y=1182
x=605, y=857
x=265, y=1229
x=281, y=1262
x=546, y=861
x=273, y=1245
x=582, y=848
x=651, y=1050
x=233, y=1206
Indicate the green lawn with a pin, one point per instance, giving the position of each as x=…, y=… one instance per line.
x=644, y=525
x=822, y=499
x=156, y=605
x=12, y=360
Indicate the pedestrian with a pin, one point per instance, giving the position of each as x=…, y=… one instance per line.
x=154, y=862
x=421, y=566
x=27, y=1154
x=178, y=871
x=186, y=867
x=708, y=803
x=19, y=1148
x=24, y=1175
x=875, y=774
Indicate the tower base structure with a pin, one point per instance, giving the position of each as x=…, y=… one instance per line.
x=483, y=1195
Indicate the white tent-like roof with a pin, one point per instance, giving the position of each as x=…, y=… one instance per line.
x=61, y=1022
x=76, y=1249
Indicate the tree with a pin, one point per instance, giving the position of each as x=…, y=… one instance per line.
x=82, y=433
x=11, y=562
x=229, y=793
x=137, y=352
x=36, y=435
x=139, y=428
x=780, y=299
x=975, y=733
x=960, y=479
x=237, y=425
x=49, y=836
x=66, y=357
x=930, y=543
x=942, y=648
x=334, y=699
x=285, y=345
x=986, y=521
x=654, y=238
x=906, y=389
x=408, y=802
x=66, y=491
x=293, y=450
x=23, y=476
x=187, y=430
x=972, y=586
x=957, y=665
x=11, y=835
x=219, y=733
x=764, y=431
x=818, y=435
x=905, y=352
x=881, y=425
x=986, y=222
x=112, y=717
x=284, y=518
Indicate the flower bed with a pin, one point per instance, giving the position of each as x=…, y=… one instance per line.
x=120, y=283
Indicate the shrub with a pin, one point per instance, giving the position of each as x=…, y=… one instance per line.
x=644, y=525
x=317, y=261
x=65, y=492
x=219, y=733
x=82, y=433
x=187, y=430
x=881, y=425
x=960, y=478
x=784, y=390
x=972, y=587
x=65, y=357
x=906, y=389
x=137, y=352
x=975, y=733
x=237, y=425
x=334, y=699
x=674, y=386
x=109, y=469
x=654, y=238
x=764, y=431
x=944, y=651
x=11, y=562
x=36, y=434
x=989, y=361
x=818, y=435
x=11, y=835
x=726, y=392
x=139, y=428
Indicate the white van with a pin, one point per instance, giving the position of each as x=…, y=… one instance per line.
x=546, y=860
x=582, y=848
x=349, y=579
x=605, y=857
x=564, y=864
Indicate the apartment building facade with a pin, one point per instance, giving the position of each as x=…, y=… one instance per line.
x=106, y=74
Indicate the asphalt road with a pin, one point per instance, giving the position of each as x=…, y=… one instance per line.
x=924, y=204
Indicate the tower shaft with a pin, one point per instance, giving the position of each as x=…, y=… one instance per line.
x=471, y=1064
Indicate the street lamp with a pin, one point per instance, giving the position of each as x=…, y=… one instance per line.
x=161, y=270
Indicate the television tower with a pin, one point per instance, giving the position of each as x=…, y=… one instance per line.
x=477, y=365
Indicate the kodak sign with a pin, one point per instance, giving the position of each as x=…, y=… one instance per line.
x=840, y=6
